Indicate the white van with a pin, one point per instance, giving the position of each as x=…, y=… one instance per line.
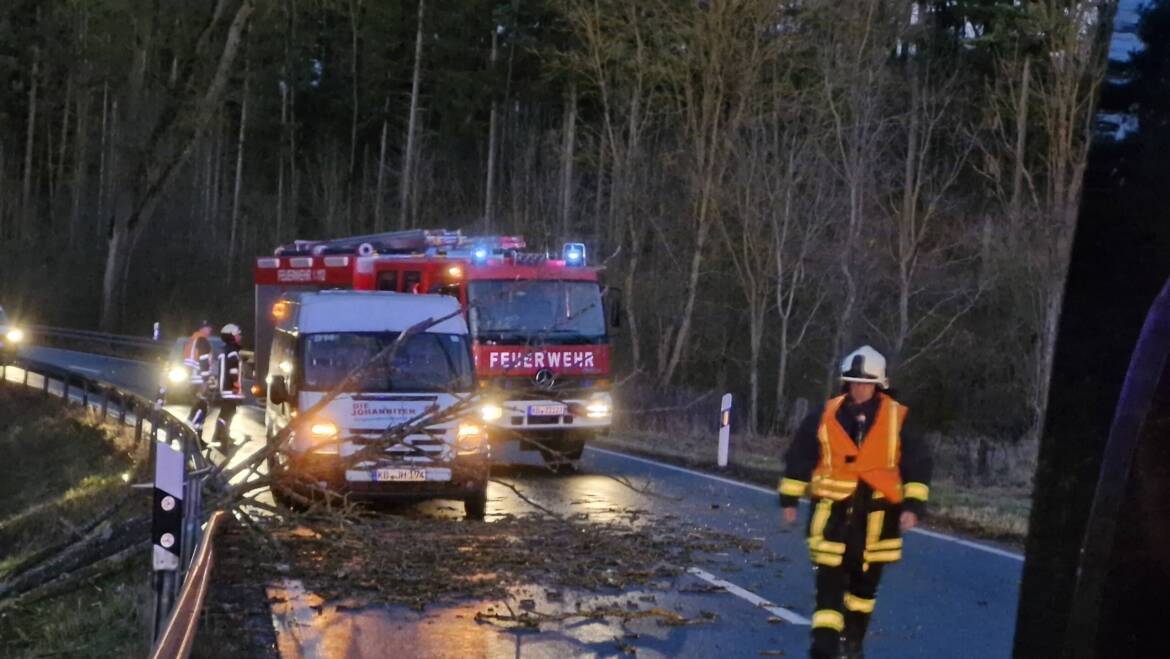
x=319, y=338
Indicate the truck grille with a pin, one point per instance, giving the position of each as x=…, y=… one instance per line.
x=420, y=448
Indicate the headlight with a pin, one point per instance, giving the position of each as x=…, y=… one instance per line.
x=15, y=335
x=491, y=412
x=471, y=437
x=177, y=374
x=597, y=409
x=322, y=430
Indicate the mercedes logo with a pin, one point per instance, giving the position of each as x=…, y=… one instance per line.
x=545, y=378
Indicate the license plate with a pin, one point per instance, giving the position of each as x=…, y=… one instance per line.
x=547, y=410
x=400, y=474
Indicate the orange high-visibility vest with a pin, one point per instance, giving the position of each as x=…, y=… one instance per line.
x=876, y=461
x=189, y=354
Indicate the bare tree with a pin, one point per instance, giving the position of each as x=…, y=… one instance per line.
x=852, y=76
x=568, y=151
x=152, y=159
x=1039, y=129
x=936, y=137
x=239, y=182
x=723, y=46
x=406, y=178
x=742, y=227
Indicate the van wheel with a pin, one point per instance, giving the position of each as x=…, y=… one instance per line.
x=475, y=505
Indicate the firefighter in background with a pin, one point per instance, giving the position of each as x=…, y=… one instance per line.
x=229, y=391
x=197, y=359
x=868, y=478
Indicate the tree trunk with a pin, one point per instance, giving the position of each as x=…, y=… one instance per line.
x=103, y=151
x=1020, y=154
x=379, y=221
x=26, y=201
x=80, y=156
x=756, y=340
x=782, y=375
x=407, y=176
x=280, y=156
x=567, y=151
x=490, y=178
x=59, y=175
x=354, y=22
x=240, y=140
x=684, y=326
x=630, y=293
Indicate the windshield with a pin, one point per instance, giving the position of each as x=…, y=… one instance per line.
x=554, y=308
x=424, y=362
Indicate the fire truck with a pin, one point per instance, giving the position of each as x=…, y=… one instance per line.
x=538, y=325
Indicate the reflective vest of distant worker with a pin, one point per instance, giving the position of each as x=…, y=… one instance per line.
x=868, y=479
x=230, y=391
x=197, y=361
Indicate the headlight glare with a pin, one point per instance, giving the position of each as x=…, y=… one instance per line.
x=322, y=430
x=470, y=437
x=491, y=412
x=15, y=335
x=177, y=374
x=597, y=409
x=469, y=430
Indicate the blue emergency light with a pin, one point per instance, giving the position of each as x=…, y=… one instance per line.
x=574, y=254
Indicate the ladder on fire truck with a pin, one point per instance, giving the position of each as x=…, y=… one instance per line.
x=408, y=242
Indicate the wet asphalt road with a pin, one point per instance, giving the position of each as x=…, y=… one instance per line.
x=949, y=596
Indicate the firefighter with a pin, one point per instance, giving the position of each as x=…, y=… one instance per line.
x=867, y=475
x=229, y=390
x=197, y=359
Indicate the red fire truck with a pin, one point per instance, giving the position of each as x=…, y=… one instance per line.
x=538, y=325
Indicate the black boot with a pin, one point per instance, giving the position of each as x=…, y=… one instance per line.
x=851, y=649
x=826, y=644
x=851, y=641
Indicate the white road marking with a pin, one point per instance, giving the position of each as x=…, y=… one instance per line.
x=967, y=543
x=757, y=488
x=752, y=598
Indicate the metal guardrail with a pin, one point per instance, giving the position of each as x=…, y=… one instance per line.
x=177, y=593
x=117, y=345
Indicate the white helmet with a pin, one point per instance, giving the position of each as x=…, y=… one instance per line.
x=865, y=365
x=230, y=328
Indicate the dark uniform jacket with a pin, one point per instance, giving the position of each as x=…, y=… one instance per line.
x=862, y=528
x=229, y=371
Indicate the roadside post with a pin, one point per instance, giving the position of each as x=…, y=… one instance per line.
x=724, y=429
x=166, y=529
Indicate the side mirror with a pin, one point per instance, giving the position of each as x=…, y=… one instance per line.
x=278, y=390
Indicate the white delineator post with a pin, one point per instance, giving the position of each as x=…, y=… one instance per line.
x=724, y=429
x=167, y=518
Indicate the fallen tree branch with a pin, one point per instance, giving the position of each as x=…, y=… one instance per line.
x=525, y=499
x=68, y=582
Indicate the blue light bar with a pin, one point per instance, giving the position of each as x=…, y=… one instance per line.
x=480, y=254
x=574, y=254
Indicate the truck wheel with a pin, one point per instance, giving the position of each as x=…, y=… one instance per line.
x=475, y=505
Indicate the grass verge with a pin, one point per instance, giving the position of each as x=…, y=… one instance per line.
x=61, y=472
